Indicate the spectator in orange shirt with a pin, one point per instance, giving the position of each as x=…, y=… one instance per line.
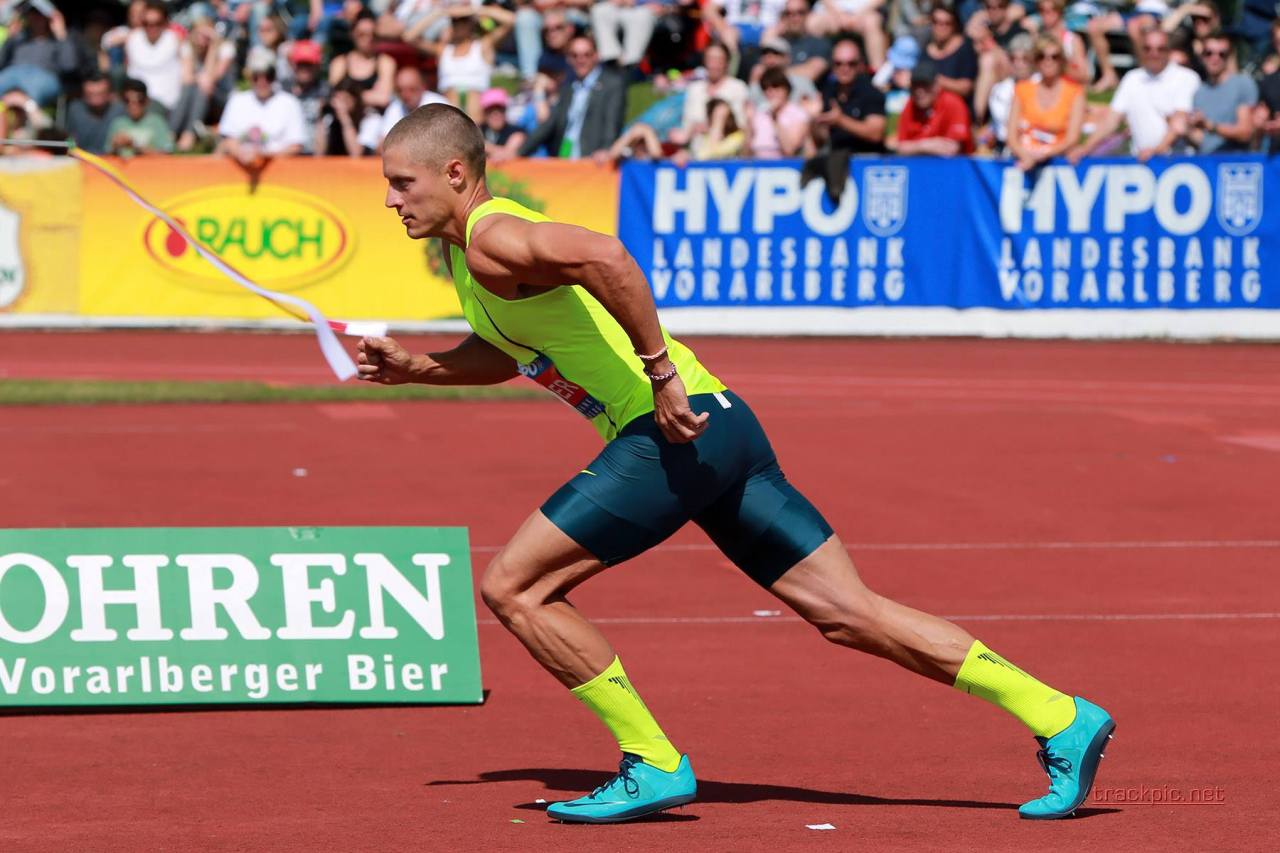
x=935, y=121
x=1048, y=112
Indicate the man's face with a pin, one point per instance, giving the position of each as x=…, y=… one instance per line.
x=305, y=73
x=716, y=63
x=135, y=104
x=409, y=89
x=1214, y=55
x=1155, y=52
x=791, y=22
x=582, y=57
x=556, y=31
x=419, y=194
x=153, y=24
x=262, y=85
x=97, y=94
x=773, y=59
x=923, y=94
x=943, y=25
x=845, y=63
x=997, y=11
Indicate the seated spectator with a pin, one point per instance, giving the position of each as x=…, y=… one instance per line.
x=1271, y=61
x=776, y=53
x=587, y=118
x=808, y=54
x=273, y=35
x=400, y=16
x=991, y=30
x=345, y=122
x=715, y=84
x=780, y=128
x=1266, y=115
x=373, y=72
x=411, y=93
x=1144, y=15
x=1198, y=20
x=741, y=24
x=466, y=55
x=1053, y=24
x=207, y=80
x=308, y=86
x=138, y=131
x=852, y=117
x=999, y=20
x=152, y=56
x=935, y=120
x=834, y=17
x=262, y=122
x=502, y=139
x=1022, y=65
x=1222, y=109
x=37, y=53
x=1048, y=111
x=557, y=32
x=23, y=119
x=89, y=116
x=1154, y=100
x=632, y=20
x=955, y=63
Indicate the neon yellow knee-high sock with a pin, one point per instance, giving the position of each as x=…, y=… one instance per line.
x=611, y=697
x=1040, y=708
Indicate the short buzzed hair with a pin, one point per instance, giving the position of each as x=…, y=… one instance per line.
x=438, y=133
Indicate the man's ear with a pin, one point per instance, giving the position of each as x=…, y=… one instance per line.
x=456, y=173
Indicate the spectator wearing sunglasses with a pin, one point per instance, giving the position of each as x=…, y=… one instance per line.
x=1222, y=109
x=1154, y=100
x=853, y=115
x=1048, y=110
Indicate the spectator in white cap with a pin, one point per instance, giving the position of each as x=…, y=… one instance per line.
x=502, y=140
x=262, y=122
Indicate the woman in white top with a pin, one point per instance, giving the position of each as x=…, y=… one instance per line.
x=465, y=55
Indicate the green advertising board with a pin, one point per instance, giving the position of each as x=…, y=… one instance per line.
x=160, y=616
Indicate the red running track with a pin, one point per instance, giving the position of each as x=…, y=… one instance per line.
x=1103, y=514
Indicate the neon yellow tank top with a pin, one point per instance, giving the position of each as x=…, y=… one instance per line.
x=566, y=341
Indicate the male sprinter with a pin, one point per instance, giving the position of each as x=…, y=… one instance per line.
x=571, y=309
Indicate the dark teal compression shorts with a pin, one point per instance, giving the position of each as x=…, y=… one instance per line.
x=641, y=489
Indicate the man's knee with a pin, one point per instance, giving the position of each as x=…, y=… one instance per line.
x=500, y=591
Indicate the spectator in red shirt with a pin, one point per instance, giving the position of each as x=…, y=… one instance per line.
x=934, y=121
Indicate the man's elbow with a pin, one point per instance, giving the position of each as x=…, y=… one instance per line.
x=608, y=262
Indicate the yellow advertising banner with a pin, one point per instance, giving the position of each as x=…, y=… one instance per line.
x=315, y=228
x=41, y=218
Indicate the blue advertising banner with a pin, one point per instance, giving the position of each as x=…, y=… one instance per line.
x=1176, y=233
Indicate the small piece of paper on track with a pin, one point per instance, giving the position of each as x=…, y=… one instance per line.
x=766, y=612
x=818, y=826
x=516, y=820
x=539, y=800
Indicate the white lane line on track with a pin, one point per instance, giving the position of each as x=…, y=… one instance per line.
x=1188, y=544
x=982, y=617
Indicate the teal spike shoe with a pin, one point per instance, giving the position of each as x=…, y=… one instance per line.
x=1071, y=759
x=639, y=789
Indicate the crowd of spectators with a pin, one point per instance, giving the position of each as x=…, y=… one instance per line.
x=1027, y=79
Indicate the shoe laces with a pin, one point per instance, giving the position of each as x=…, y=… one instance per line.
x=629, y=784
x=1051, y=761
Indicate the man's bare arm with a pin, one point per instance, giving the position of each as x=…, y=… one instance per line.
x=475, y=361
x=506, y=252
